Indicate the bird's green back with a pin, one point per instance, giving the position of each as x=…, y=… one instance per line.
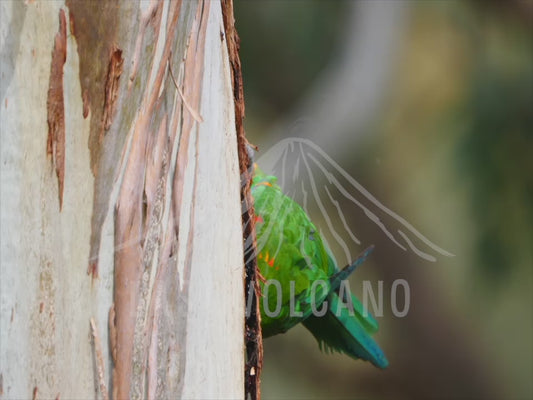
x=290, y=250
x=300, y=274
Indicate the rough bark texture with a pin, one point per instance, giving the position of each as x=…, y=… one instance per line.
x=55, y=146
x=253, y=337
x=145, y=164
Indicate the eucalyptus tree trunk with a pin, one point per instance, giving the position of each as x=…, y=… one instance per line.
x=121, y=235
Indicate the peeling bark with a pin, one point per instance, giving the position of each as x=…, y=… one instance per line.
x=56, y=105
x=253, y=338
x=135, y=241
x=111, y=88
x=154, y=206
x=95, y=26
x=167, y=122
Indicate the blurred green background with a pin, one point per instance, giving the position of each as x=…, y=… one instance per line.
x=428, y=105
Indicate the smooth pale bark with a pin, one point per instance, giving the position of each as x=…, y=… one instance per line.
x=147, y=199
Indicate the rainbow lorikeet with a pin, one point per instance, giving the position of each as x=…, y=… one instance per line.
x=302, y=281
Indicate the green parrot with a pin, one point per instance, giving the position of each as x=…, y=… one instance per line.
x=302, y=282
